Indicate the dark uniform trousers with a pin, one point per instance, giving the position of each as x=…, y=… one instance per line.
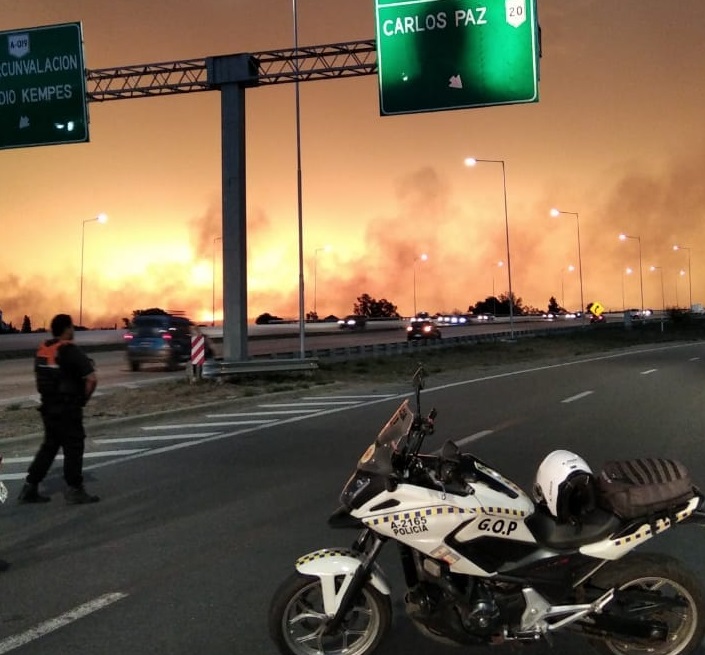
x=63, y=428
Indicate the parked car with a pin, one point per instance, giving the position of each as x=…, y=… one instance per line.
x=422, y=330
x=353, y=322
x=158, y=339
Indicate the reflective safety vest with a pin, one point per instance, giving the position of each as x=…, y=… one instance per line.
x=52, y=384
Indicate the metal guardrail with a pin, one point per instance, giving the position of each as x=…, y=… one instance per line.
x=222, y=369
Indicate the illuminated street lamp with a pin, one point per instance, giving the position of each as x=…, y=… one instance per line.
x=663, y=299
x=315, y=275
x=471, y=161
x=627, y=271
x=215, y=239
x=624, y=237
x=422, y=257
x=690, y=283
x=100, y=218
x=555, y=213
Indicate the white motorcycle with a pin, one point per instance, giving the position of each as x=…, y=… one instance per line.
x=3, y=488
x=486, y=565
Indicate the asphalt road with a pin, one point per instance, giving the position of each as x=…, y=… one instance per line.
x=203, y=516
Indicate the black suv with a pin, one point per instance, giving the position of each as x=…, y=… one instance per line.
x=158, y=338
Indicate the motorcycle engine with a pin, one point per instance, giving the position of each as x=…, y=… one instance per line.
x=481, y=615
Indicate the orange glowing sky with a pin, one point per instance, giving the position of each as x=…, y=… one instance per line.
x=618, y=136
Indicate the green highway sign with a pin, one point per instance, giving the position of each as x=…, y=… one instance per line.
x=453, y=54
x=42, y=86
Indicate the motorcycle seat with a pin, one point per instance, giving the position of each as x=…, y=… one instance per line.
x=594, y=526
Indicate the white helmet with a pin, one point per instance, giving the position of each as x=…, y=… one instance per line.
x=565, y=483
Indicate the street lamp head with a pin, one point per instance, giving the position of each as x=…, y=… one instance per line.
x=628, y=271
x=470, y=161
x=102, y=218
x=571, y=268
x=622, y=237
x=555, y=212
x=654, y=268
x=681, y=272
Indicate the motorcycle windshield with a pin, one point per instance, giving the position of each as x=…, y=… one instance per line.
x=378, y=457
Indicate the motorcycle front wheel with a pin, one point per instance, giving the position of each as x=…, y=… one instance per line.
x=684, y=616
x=297, y=620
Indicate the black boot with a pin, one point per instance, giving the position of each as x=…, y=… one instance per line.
x=79, y=496
x=30, y=494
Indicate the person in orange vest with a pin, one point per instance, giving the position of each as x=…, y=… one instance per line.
x=66, y=380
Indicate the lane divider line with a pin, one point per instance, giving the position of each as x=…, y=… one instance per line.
x=577, y=396
x=159, y=437
x=61, y=621
x=473, y=437
x=651, y=370
x=204, y=424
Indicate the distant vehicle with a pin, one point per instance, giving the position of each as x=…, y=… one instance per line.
x=484, y=317
x=422, y=330
x=158, y=339
x=598, y=318
x=637, y=314
x=267, y=318
x=353, y=322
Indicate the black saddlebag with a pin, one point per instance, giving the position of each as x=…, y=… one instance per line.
x=643, y=487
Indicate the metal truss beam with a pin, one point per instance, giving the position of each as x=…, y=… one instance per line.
x=350, y=59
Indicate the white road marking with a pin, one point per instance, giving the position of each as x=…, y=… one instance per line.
x=61, y=621
x=95, y=455
x=271, y=412
x=473, y=437
x=577, y=396
x=370, y=396
x=161, y=437
x=205, y=424
x=694, y=359
x=651, y=370
x=322, y=403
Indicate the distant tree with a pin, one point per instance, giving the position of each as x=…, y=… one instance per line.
x=26, y=325
x=266, y=318
x=553, y=306
x=312, y=317
x=125, y=322
x=153, y=311
x=368, y=306
x=498, y=306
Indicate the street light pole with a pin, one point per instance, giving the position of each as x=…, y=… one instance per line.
x=471, y=161
x=215, y=239
x=623, y=237
x=299, y=184
x=690, y=284
x=557, y=212
x=101, y=218
x=423, y=257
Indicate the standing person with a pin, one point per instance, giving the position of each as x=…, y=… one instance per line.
x=66, y=380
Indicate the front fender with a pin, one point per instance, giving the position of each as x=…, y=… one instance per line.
x=328, y=564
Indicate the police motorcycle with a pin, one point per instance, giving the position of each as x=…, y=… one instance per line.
x=3, y=488
x=484, y=564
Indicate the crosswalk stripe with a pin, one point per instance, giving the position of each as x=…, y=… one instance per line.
x=161, y=437
x=205, y=424
x=370, y=396
x=321, y=403
x=95, y=455
x=271, y=412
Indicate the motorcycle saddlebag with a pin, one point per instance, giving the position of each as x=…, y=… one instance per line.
x=643, y=487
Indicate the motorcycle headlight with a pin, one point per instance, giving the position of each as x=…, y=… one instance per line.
x=353, y=488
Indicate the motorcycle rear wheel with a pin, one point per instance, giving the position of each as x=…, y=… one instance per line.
x=668, y=576
x=297, y=620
